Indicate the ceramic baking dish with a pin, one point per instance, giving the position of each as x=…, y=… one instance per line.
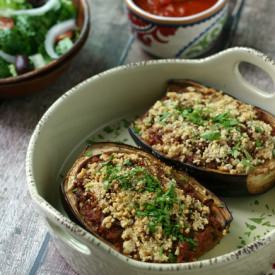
x=100, y=108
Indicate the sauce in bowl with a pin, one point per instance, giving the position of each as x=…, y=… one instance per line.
x=175, y=8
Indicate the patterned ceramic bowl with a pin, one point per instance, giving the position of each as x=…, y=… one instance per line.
x=177, y=37
x=97, y=109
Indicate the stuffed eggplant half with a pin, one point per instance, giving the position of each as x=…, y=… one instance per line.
x=229, y=146
x=141, y=207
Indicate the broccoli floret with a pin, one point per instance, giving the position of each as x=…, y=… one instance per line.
x=14, y=4
x=64, y=46
x=67, y=10
x=4, y=69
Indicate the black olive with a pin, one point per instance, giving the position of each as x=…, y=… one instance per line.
x=37, y=3
x=22, y=64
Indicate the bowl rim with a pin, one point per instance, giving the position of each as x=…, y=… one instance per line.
x=54, y=64
x=132, y=6
x=67, y=224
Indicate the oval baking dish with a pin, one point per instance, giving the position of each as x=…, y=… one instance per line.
x=226, y=144
x=90, y=109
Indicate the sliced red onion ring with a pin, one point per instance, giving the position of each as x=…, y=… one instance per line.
x=50, y=4
x=7, y=57
x=55, y=31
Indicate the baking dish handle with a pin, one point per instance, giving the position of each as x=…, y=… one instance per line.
x=230, y=60
x=63, y=235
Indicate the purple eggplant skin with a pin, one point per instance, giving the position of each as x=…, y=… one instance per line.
x=256, y=182
x=223, y=214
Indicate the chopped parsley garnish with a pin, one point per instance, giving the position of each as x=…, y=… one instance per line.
x=226, y=120
x=247, y=155
x=74, y=190
x=247, y=163
x=211, y=135
x=196, y=116
x=258, y=143
x=159, y=212
x=235, y=153
x=258, y=129
x=199, y=116
x=129, y=178
x=163, y=117
x=161, y=251
x=136, y=129
x=236, y=150
x=128, y=162
x=88, y=153
x=106, y=184
x=273, y=153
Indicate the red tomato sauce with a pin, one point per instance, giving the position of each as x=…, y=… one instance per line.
x=175, y=8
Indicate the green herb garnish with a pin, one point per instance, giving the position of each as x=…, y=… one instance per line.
x=129, y=178
x=247, y=155
x=159, y=209
x=247, y=163
x=136, y=129
x=88, y=153
x=211, y=135
x=226, y=120
x=159, y=212
x=258, y=143
x=196, y=116
x=235, y=153
x=258, y=129
x=128, y=162
x=161, y=251
x=163, y=117
x=106, y=185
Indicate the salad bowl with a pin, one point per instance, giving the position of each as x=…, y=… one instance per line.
x=101, y=109
x=39, y=78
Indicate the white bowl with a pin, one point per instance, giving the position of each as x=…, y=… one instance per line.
x=86, y=109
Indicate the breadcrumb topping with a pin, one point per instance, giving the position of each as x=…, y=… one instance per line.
x=207, y=128
x=155, y=214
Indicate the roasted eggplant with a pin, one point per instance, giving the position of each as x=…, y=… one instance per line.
x=229, y=146
x=140, y=206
